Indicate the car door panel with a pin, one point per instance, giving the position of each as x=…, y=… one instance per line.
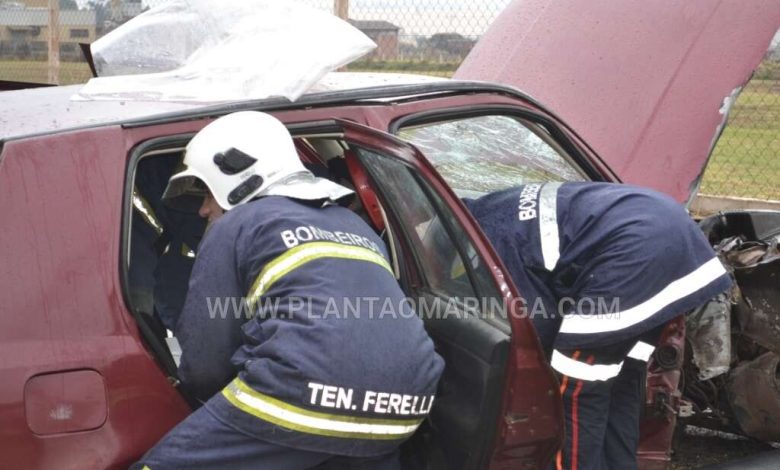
x=498, y=403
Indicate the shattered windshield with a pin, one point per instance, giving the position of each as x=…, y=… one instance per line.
x=489, y=153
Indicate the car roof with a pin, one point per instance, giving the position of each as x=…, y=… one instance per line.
x=48, y=110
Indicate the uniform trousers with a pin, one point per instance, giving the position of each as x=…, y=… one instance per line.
x=602, y=416
x=202, y=441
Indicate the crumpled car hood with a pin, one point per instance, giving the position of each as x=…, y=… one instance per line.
x=647, y=84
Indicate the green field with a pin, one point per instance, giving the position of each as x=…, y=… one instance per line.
x=78, y=72
x=438, y=69
x=38, y=71
x=745, y=163
x=746, y=160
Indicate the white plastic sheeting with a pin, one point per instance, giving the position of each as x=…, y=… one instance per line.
x=221, y=50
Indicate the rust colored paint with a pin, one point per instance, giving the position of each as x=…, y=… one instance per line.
x=643, y=82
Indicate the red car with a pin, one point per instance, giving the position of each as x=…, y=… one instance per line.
x=87, y=384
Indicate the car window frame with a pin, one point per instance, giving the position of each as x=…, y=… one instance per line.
x=170, y=143
x=422, y=170
x=416, y=254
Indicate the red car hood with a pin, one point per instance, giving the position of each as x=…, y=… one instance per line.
x=646, y=84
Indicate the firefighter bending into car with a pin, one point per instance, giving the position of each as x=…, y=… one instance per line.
x=602, y=268
x=303, y=382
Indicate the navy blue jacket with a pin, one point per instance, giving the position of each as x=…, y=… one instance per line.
x=599, y=263
x=333, y=359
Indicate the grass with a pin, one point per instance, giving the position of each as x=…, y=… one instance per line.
x=746, y=159
x=37, y=71
x=745, y=162
x=439, y=69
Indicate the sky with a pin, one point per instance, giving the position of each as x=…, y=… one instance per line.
x=422, y=17
x=425, y=17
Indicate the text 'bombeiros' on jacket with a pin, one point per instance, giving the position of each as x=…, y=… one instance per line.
x=332, y=359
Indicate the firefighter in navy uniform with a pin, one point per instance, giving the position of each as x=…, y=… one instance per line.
x=308, y=380
x=602, y=268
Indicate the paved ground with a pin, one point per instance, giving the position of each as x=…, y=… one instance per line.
x=697, y=447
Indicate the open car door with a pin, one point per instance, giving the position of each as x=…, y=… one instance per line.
x=498, y=404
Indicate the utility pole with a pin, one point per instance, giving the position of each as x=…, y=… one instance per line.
x=54, y=41
x=341, y=9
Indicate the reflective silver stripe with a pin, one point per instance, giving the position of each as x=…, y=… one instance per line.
x=641, y=351
x=676, y=290
x=580, y=370
x=299, y=419
x=548, y=224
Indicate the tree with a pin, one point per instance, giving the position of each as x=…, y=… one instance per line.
x=68, y=5
x=453, y=44
x=102, y=13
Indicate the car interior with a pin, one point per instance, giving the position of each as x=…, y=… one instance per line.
x=432, y=256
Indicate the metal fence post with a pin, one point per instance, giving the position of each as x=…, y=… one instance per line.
x=341, y=9
x=54, y=41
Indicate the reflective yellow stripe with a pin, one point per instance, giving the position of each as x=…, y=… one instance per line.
x=146, y=467
x=458, y=269
x=306, y=421
x=186, y=251
x=302, y=254
x=143, y=208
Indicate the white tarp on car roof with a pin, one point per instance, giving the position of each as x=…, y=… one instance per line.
x=221, y=50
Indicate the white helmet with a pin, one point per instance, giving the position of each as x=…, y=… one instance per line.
x=242, y=156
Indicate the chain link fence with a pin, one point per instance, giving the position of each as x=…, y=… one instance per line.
x=414, y=36
x=746, y=160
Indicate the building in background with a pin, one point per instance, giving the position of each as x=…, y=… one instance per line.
x=24, y=31
x=384, y=34
x=117, y=12
x=32, y=3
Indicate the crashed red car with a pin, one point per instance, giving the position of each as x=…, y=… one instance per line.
x=87, y=383
x=85, y=380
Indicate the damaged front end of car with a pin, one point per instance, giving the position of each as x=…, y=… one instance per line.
x=732, y=368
